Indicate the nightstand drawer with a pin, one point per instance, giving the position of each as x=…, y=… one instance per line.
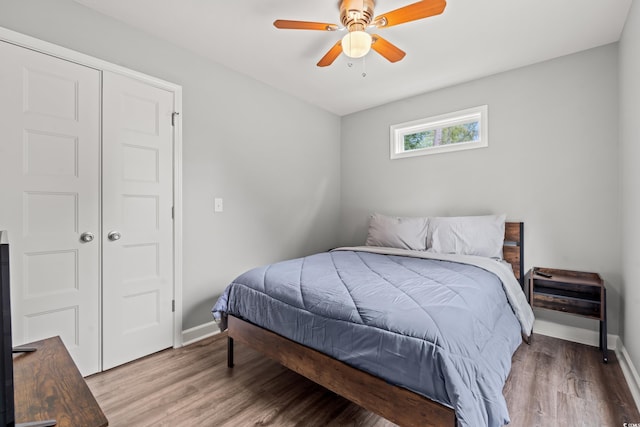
x=571, y=290
x=567, y=304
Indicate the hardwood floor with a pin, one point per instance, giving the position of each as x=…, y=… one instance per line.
x=552, y=383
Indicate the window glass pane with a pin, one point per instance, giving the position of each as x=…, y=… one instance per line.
x=415, y=141
x=460, y=133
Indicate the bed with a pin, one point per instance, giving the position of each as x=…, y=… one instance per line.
x=386, y=327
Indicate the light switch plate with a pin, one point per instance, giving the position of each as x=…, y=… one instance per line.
x=217, y=204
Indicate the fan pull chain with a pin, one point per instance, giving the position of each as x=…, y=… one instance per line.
x=364, y=67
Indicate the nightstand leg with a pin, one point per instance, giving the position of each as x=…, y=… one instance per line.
x=603, y=329
x=603, y=340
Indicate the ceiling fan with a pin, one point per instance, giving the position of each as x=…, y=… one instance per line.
x=357, y=16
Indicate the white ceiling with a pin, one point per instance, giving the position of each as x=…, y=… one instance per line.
x=471, y=39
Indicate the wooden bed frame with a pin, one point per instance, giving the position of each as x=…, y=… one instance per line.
x=396, y=404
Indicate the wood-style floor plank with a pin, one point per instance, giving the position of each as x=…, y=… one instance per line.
x=552, y=383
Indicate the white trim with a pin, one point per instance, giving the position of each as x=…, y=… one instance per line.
x=630, y=372
x=200, y=332
x=177, y=221
x=571, y=333
x=47, y=48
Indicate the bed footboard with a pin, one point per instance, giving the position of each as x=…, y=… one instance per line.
x=394, y=403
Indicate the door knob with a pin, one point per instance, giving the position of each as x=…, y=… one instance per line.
x=86, y=237
x=114, y=235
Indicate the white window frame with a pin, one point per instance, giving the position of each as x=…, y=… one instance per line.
x=398, y=132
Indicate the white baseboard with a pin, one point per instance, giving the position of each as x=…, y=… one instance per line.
x=200, y=332
x=573, y=334
x=589, y=337
x=630, y=373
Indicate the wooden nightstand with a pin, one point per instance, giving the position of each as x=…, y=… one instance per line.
x=573, y=292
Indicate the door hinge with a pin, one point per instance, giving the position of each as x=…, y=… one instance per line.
x=173, y=118
x=173, y=306
x=173, y=213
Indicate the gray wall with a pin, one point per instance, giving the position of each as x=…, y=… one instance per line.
x=630, y=155
x=274, y=159
x=552, y=162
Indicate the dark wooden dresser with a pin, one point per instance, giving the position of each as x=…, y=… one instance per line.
x=48, y=385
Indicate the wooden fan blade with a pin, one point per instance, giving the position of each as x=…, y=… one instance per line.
x=304, y=25
x=331, y=56
x=390, y=51
x=412, y=12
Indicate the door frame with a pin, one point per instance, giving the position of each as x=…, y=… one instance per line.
x=51, y=49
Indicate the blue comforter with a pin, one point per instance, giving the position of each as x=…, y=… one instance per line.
x=442, y=329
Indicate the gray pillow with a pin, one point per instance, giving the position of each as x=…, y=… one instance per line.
x=398, y=232
x=469, y=235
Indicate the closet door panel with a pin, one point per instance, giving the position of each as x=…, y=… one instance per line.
x=49, y=197
x=137, y=219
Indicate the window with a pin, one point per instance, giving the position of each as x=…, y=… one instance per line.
x=460, y=130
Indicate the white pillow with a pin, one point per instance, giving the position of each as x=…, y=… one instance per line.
x=467, y=235
x=397, y=232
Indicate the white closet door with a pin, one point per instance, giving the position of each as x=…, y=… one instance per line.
x=137, y=200
x=49, y=197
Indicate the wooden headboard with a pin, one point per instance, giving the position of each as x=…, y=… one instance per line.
x=513, y=249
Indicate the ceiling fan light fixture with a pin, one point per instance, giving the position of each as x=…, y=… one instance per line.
x=356, y=44
x=357, y=16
